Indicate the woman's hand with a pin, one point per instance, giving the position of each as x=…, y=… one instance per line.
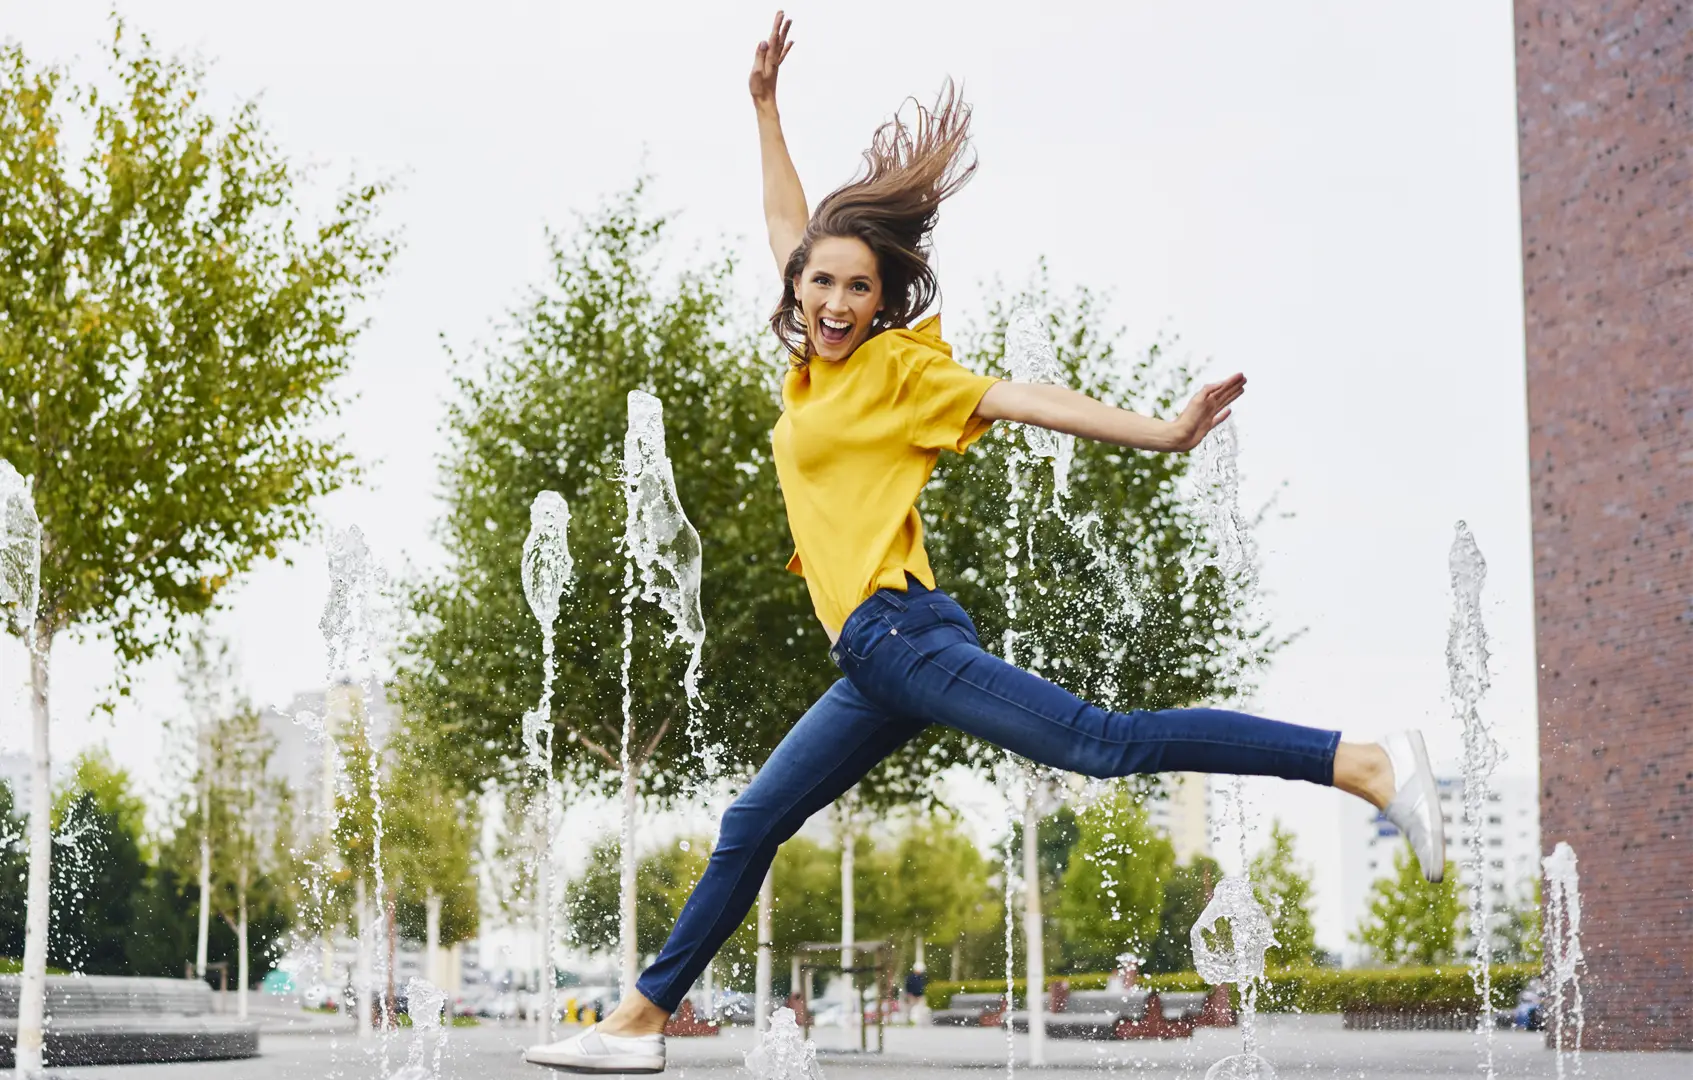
x=1208, y=408
x=767, y=62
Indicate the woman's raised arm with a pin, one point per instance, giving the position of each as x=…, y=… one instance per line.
x=785, y=214
x=1060, y=408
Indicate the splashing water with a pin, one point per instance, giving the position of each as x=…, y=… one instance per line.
x=783, y=1053
x=1241, y=1067
x=20, y=553
x=346, y=621
x=1564, y=959
x=661, y=543
x=1466, y=666
x=425, y=1005
x=1242, y=961
x=1011, y=776
x=1030, y=358
x=660, y=539
x=1216, y=472
x=347, y=625
x=1233, y=552
x=547, y=571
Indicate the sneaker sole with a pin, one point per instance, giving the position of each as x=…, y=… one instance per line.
x=1431, y=793
x=603, y=1065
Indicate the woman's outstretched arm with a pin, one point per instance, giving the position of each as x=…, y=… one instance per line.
x=1061, y=409
x=785, y=214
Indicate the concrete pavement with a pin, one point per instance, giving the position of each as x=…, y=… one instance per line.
x=1298, y=1046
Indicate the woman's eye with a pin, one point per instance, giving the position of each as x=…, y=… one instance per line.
x=862, y=287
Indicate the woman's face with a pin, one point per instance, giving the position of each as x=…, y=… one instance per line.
x=839, y=293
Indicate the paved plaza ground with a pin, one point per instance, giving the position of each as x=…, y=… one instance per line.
x=1307, y=1047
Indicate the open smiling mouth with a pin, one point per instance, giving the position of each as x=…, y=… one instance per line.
x=833, y=332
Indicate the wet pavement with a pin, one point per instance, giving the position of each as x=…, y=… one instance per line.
x=1305, y=1047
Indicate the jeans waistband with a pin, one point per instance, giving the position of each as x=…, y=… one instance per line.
x=876, y=603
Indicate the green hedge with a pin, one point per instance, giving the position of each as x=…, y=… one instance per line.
x=939, y=993
x=12, y=965
x=1316, y=990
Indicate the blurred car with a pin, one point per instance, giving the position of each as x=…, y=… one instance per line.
x=731, y=1007
x=473, y=999
x=829, y=1014
x=596, y=996
x=320, y=996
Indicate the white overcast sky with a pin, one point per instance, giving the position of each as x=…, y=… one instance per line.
x=1320, y=194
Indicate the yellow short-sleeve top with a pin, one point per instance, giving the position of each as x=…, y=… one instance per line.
x=855, y=444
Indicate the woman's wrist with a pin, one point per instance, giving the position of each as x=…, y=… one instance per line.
x=766, y=108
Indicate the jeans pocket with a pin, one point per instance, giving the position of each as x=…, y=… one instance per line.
x=863, y=639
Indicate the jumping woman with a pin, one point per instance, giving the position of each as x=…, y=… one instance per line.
x=871, y=397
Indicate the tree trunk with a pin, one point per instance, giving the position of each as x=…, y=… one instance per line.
x=541, y=933
x=32, y=997
x=761, y=981
x=203, y=924
x=544, y=888
x=389, y=1001
x=242, y=977
x=362, y=974
x=957, y=958
x=432, y=938
x=848, y=912
x=1034, y=976
x=626, y=897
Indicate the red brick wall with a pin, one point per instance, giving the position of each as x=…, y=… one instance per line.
x=1605, y=123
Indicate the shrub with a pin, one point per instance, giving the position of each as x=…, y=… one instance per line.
x=1306, y=989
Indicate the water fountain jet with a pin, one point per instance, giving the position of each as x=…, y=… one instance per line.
x=663, y=546
x=1466, y=664
x=1564, y=959
x=547, y=571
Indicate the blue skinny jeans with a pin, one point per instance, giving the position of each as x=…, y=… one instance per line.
x=911, y=659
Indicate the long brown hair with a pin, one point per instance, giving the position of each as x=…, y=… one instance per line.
x=892, y=206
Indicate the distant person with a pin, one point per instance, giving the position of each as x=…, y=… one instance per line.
x=916, y=985
x=871, y=397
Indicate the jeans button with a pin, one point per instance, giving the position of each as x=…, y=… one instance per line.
x=894, y=632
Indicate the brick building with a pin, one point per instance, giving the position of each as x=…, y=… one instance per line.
x=1605, y=125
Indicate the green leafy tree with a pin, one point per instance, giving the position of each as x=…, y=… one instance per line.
x=929, y=883
x=14, y=870
x=547, y=410
x=99, y=867
x=241, y=816
x=164, y=921
x=1517, y=936
x=1185, y=897
x=1408, y=920
x=171, y=328
x=1114, y=886
x=662, y=878
x=1187, y=645
x=430, y=843
x=1283, y=885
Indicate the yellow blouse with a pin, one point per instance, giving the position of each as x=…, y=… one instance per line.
x=855, y=444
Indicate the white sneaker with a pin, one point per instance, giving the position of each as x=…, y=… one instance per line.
x=591, y=1052
x=1415, y=808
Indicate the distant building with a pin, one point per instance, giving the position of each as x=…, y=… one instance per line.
x=303, y=731
x=15, y=770
x=1510, y=836
x=1184, y=815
